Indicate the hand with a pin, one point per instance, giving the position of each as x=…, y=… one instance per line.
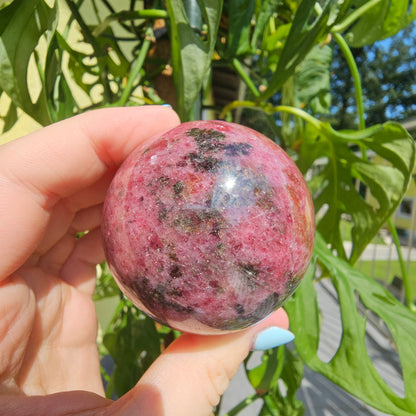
x=52, y=185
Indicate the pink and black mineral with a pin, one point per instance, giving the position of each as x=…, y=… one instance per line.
x=210, y=228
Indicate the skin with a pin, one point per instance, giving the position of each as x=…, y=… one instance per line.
x=52, y=185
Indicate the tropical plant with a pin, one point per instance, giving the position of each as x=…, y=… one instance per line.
x=96, y=53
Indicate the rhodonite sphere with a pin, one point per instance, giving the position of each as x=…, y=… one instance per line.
x=209, y=228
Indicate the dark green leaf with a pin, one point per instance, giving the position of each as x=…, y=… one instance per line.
x=351, y=367
x=117, y=67
x=61, y=102
x=191, y=54
x=10, y=118
x=302, y=37
x=240, y=14
x=76, y=65
x=134, y=345
x=22, y=24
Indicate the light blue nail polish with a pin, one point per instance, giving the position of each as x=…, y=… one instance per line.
x=166, y=105
x=272, y=337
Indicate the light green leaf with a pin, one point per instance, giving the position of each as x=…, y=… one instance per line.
x=266, y=374
x=22, y=24
x=380, y=158
x=191, y=54
x=312, y=80
x=302, y=37
x=382, y=20
x=351, y=367
x=268, y=8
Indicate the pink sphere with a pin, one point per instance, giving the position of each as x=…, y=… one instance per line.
x=208, y=229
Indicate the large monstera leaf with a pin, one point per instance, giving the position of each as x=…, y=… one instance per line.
x=359, y=177
x=380, y=20
x=22, y=24
x=351, y=366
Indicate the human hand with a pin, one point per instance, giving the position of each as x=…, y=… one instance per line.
x=52, y=185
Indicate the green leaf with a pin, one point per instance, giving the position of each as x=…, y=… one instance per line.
x=302, y=37
x=312, y=80
x=341, y=165
x=117, y=67
x=351, y=367
x=191, y=54
x=76, y=65
x=384, y=19
x=266, y=374
x=22, y=24
x=266, y=11
x=61, y=102
x=106, y=286
x=134, y=345
x=10, y=118
x=240, y=13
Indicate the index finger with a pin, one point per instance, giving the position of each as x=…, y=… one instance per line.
x=38, y=170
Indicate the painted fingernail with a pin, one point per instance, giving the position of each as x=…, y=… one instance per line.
x=166, y=105
x=271, y=338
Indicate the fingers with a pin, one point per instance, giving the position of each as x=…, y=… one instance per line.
x=17, y=312
x=80, y=268
x=191, y=375
x=60, y=160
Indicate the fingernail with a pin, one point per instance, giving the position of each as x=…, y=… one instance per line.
x=271, y=338
x=166, y=105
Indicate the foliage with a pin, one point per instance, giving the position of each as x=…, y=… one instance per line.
x=105, y=54
x=388, y=73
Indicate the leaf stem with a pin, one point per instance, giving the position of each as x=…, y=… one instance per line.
x=355, y=15
x=355, y=75
x=300, y=113
x=405, y=276
x=137, y=67
x=130, y=15
x=244, y=76
x=238, y=104
x=243, y=404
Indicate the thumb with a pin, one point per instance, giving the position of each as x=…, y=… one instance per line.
x=189, y=378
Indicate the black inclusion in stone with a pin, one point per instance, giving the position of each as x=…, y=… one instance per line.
x=208, y=140
x=238, y=149
x=204, y=163
x=175, y=271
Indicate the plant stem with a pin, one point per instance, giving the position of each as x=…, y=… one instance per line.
x=137, y=67
x=244, y=76
x=355, y=75
x=405, y=276
x=238, y=104
x=129, y=15
x=300, y=113
x=243, y=404
x=269, y=109
x=355, y=15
